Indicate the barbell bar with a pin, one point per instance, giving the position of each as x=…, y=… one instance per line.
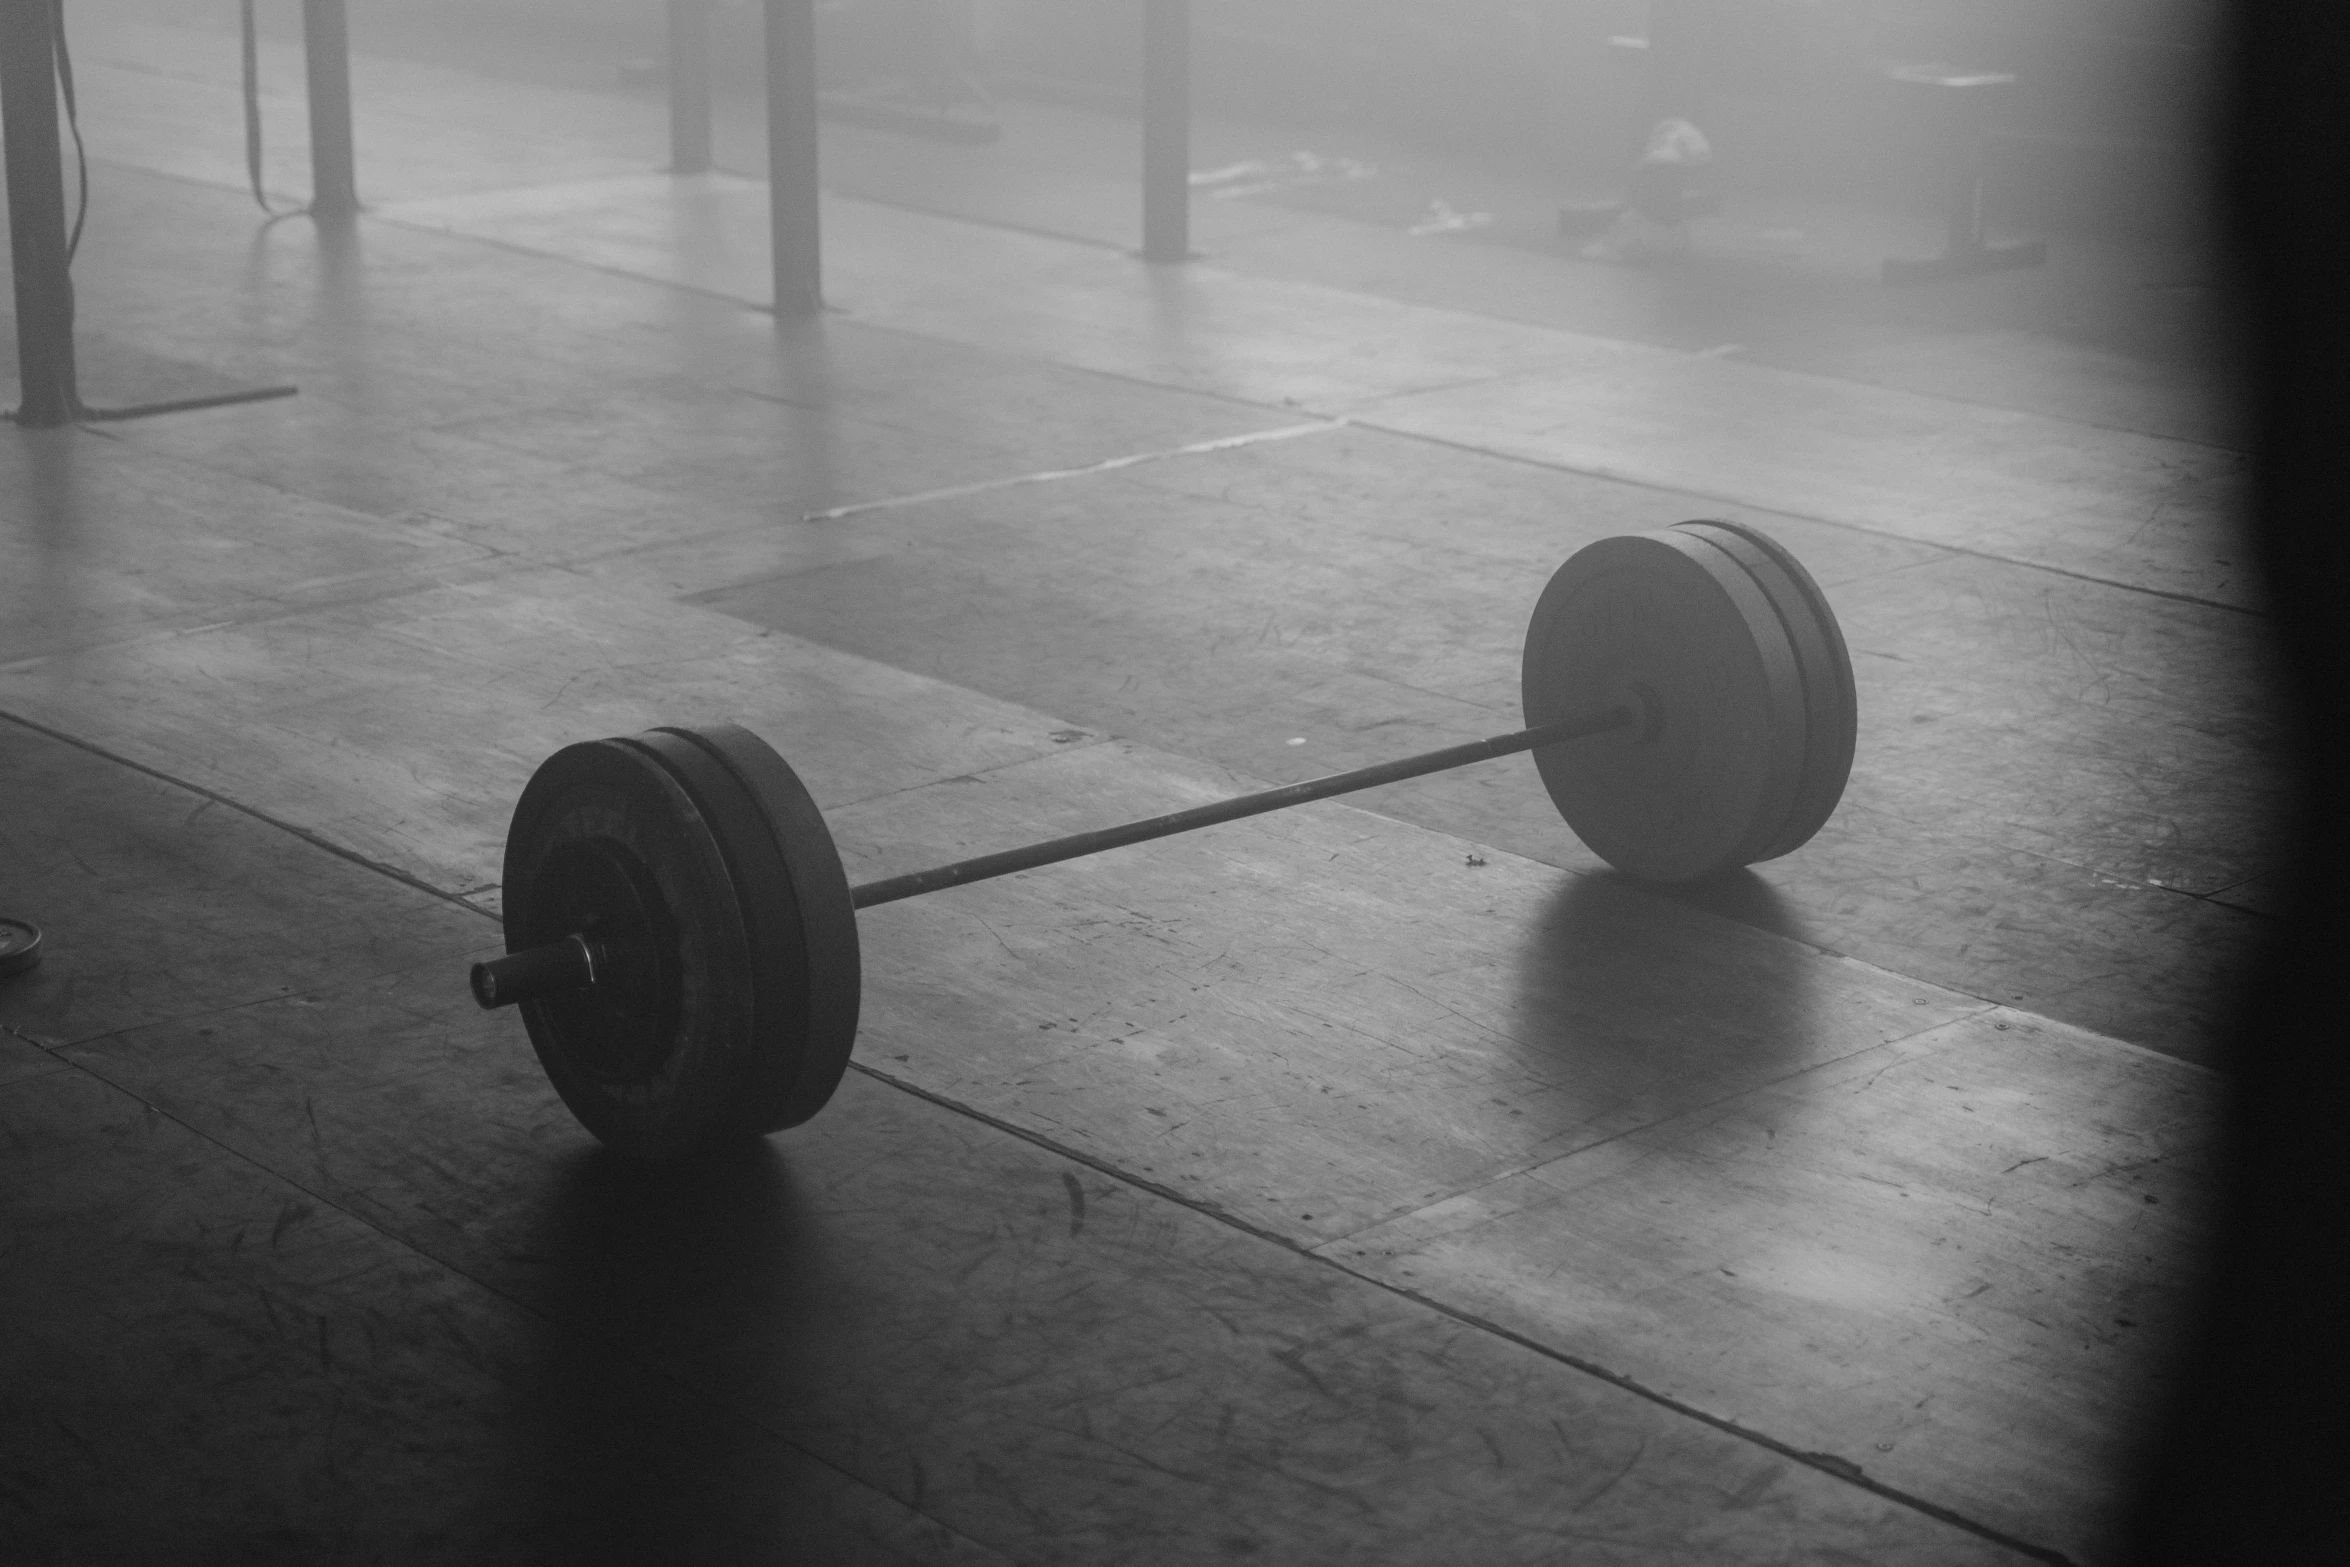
x=574, y=961
x=681, y=935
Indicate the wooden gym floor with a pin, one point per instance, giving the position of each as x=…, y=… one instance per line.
x=1374, y=1182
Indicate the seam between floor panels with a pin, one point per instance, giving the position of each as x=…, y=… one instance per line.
x=391, y=219
x=316, y=840
x=1095, y=738
x=1825, y=1463
x=612, y=1343
x=1241, y=275
x=1221, y=443
x=1363, y=417
x=1004, y=225
x=1829, y=1464
x=844, y=313
x=1358, y=418
x=1730, y=351
x=1271, y=202
x=1361, y=421
x=1522, y=1167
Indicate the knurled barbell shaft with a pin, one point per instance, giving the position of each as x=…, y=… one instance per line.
x=569, y=964
x=1078, y=845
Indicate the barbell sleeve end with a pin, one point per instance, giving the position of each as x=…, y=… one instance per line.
x=534, y=973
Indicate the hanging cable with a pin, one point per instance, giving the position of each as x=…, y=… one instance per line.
x=251, y=40
x=64, y=68
x=82, y=211
x=73, y=122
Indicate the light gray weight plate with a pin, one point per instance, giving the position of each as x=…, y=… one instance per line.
x=1831, y=706
x=1669, y=624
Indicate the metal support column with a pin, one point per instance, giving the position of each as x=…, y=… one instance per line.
x=36, y=214
x=326, y=47
x=1166, y=130
x=689, y=86
x=794, y=223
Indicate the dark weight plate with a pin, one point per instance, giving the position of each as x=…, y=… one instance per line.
x=1831, y=706
x=795, y=897
x=654, y=1060
x=1672, y=626
x=20, y=946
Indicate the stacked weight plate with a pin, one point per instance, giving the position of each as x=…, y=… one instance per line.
x=704, y=876
x=1725, y=646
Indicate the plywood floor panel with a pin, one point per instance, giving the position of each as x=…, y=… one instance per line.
x=1534, y=1098
x=403, y=729
x=1318, y=1019
x=2000, y=1187
x=900, y=1333
x=2051, y=775
x=2114, y=505
x=208, y=1361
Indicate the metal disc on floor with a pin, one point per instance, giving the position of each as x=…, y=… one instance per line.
x=1672, y=626
x=795, y=898
x=1831, y=707
x=20, y=946
x=605, y=845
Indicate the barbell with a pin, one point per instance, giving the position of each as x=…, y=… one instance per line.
x=682, y=939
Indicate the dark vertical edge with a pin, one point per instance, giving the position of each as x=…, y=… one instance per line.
x=36, y=214
x=1966, y=153
x=2246, y=1465
x=793, y=164
x=326, y=52
x=689, y=86
x=1166, y=130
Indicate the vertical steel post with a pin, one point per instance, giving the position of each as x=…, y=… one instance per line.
x=36, y=214
x=1166, y=130
x=794, y=223
x=689, y=86
x=326, y=48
